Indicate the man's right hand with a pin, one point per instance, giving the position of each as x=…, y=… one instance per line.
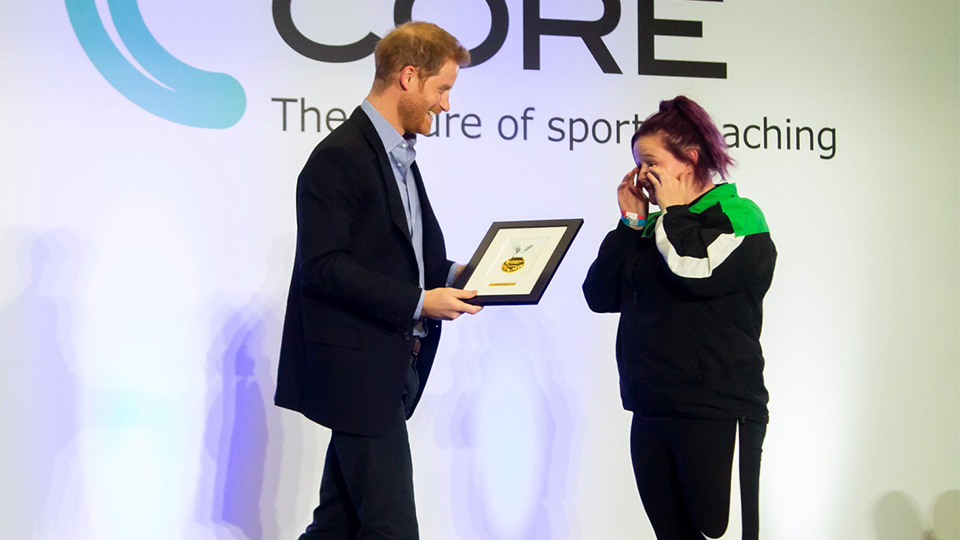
x=446, y=303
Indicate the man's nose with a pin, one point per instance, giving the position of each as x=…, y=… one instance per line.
x=445, y=102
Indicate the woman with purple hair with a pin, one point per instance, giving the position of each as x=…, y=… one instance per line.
x=688, y=282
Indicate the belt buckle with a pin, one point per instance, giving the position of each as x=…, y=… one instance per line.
x=416, y=347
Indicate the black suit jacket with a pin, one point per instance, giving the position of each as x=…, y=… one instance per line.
x=347, y=337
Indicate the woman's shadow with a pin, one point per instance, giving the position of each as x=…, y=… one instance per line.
x=508, y=421
x=898, y=517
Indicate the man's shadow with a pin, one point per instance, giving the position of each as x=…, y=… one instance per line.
x=40, y=395
x=239, y=431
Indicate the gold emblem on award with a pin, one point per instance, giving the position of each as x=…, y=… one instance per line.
x=512, y=264
x=516, y=262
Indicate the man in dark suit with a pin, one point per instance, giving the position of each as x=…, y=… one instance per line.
x=371, y=282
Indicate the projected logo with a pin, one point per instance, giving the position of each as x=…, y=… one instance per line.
x=173, y=90
x=534, y=28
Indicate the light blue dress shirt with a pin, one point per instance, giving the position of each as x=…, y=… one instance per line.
x=401, y=154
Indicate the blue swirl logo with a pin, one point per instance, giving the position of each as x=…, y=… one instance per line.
x=185, y=95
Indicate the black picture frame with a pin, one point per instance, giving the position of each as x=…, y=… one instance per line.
x=572, y=227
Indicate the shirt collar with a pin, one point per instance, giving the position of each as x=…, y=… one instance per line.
x=389, y=136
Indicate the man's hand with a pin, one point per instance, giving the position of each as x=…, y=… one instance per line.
x=446, y=304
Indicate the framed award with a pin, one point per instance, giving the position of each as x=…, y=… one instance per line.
x=516, y=261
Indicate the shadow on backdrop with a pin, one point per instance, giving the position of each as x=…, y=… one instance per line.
x=508, y=421
x=40, y=392
x=234, y=470
x=898, y=517
x=946, y=516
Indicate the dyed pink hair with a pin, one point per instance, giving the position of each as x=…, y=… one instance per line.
x=682, y=126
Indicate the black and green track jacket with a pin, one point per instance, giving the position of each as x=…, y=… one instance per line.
x=689, y=289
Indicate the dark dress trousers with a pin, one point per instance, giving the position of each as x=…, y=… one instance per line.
x=347, y=334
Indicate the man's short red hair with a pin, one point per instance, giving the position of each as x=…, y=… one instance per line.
x=423, y=45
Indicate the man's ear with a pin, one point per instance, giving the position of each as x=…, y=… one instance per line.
x=408, y=77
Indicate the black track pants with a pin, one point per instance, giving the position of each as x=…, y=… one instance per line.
x=683, y=470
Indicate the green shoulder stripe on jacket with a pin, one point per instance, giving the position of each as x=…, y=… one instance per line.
x=745, y=216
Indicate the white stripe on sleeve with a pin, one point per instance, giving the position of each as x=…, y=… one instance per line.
x=692, y=267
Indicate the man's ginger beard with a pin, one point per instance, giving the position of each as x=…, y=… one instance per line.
x=413, y=110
